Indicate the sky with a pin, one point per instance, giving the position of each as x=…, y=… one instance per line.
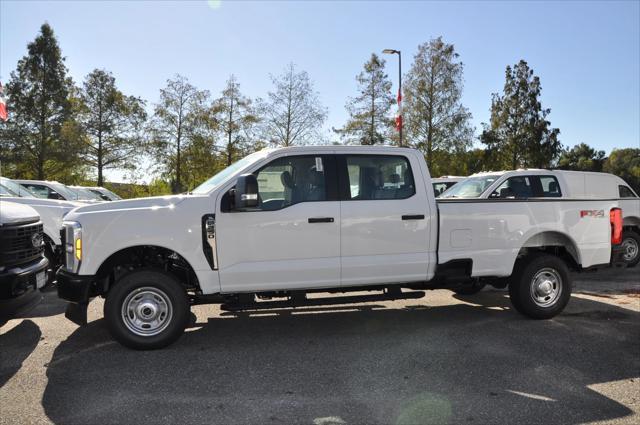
x=586, y=53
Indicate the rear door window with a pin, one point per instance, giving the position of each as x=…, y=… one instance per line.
x=377, y=177
x=549, y=187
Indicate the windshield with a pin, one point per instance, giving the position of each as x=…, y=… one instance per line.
x=63, y=190
x=4, y=191
x=110, y=194
x=471, y=187
x=83, y=194
x=223, y=175
x=15, y=188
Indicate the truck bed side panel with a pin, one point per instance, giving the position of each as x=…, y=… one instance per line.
x=491, y=233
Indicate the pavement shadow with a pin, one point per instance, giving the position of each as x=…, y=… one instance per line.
x=16, y=345
x=50, y=305
x=463, y=363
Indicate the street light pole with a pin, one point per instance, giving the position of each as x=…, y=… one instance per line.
x=399, y=119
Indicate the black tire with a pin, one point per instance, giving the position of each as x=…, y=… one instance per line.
x=631, y=248
x=156, y=294
x=540, y=269
x=470, y=289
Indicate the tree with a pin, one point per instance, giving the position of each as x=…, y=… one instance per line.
x=625, y=163
x=369, y=122
x=39, y=107
x=581, y=157
x=293, y=113
x=519, y=134
x=175, y=121
x=111, y=122
x=436, y=121
x=236, y=117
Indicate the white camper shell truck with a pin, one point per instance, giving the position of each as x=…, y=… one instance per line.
x=337, y=220
x=531, y=183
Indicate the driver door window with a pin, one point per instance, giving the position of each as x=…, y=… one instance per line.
x=290, y=180
x=514, y=188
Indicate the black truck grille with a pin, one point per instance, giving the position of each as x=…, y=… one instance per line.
x=17, y=243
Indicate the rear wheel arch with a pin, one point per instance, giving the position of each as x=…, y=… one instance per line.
x=553, y=243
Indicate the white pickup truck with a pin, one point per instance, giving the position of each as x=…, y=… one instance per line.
x=531, y=183
x=282, y=223
x=51, y=212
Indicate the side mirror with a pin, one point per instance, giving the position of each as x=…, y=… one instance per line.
x=246, y=192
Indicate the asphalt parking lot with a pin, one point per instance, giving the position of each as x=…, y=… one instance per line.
x=440, y=359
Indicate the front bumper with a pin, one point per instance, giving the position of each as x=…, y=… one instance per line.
x=78, y=291
x=18, y=288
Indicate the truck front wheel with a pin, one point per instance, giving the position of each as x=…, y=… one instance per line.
x=541, y=286
x=147, y=309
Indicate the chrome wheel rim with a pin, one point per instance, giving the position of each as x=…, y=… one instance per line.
x=147, y=311
x=546, y=287
x=629, y=249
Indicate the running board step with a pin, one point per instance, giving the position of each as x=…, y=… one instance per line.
x=303, y=301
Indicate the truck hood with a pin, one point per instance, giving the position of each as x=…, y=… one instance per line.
x=12, y=213
x=132, y=204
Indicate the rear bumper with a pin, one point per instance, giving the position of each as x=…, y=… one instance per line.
x=18, y=288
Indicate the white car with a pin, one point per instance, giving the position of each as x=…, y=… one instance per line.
x=337, y=219
x=536, y=183
x=51, y=214
x=441, y=184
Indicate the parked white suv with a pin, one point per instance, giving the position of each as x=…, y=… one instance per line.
x=532, y=183
x=282, y=223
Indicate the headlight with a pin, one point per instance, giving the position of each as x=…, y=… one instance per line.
x=72, y=238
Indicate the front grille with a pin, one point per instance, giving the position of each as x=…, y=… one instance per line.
x=16, y=244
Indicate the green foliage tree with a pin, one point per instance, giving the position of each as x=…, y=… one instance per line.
x=519, y=134
x=33, y=142
x=436, y=122
x=369, y=122
x=112, y=124
x=292, y=114
x=625, y=163
x=581, y=157
x=237, y=119
x=176, y=119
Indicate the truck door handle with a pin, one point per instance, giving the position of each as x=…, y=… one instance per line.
x=321, y=220
x=413, y=217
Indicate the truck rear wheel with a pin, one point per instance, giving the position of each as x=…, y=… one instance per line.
x=541, y=286
x=147, y=309
x=630, y=248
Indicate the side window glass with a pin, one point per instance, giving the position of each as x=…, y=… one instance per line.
x=374, y=177
x=439, y=188
x=38, y=190
x=550, y=187
x=291, y=180
x=514, y=188
x=625, y=192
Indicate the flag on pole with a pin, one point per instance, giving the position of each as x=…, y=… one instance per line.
x=3, y=105
x=399, y=117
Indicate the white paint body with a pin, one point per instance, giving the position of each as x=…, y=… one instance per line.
x=367, y=243
x=581, y=185
x=51, y=213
